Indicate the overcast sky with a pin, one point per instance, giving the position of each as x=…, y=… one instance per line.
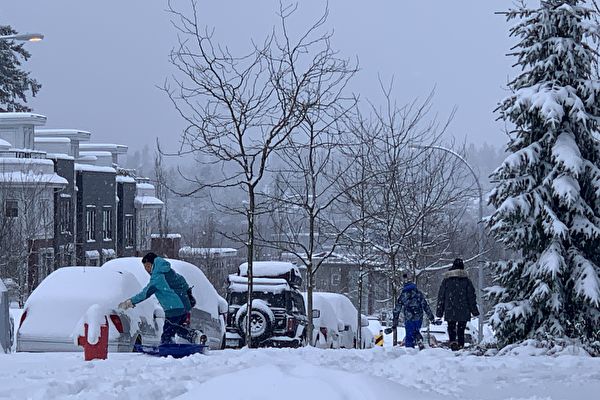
x=100, y=60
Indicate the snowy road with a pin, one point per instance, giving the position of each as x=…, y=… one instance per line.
x=381, y=373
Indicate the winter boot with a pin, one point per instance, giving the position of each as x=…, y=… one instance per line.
x=454, y=346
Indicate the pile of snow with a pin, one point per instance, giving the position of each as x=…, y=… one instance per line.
x=534, y=347
x=269, y=268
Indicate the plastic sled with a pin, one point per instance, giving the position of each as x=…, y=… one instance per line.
x=174, y=350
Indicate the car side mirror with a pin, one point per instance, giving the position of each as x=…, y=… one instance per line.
x=316, y=313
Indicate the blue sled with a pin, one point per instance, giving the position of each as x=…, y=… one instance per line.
x=174, y=350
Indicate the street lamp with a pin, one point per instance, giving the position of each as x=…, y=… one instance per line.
x=481, y=229
x=25, y=37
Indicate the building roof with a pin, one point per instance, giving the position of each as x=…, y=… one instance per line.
x=73, y=134
x=188, y=251
x=20, y=118
x=110, y=147
x=93, y=168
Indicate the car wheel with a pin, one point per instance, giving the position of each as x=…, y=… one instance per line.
x=260, y=324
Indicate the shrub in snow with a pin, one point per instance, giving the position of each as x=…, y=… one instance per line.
x=547, y=193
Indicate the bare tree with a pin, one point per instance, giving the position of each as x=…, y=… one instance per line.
x=240, y=109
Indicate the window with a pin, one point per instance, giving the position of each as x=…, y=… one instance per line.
x=11, y=208
x=107, y=225
x=335, y=279
x=90, y=224
x=129, y=230
x=66, y=217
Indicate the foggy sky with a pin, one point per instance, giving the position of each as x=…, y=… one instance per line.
x=100, y=61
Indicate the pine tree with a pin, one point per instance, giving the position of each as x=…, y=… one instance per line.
x=547, y=193
x=14, y=82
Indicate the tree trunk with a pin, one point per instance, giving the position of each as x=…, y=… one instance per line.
x=309, y=302
x=394, y=294
x=360, y=291
x=250, y=250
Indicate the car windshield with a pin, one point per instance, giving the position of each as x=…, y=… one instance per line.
x=272, y=299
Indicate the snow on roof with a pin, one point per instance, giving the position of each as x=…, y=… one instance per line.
x=269, y=268
x=125, y=179
x=145, y=186
x=95, y=153
x=109, y=252
x=188, y=251
x=31, y=178
x=206, y=296
x=4, y=144
x=11, y=118
x=74, y=134
x=168, y=235
x=60, y=156
x=29, y=171
x=268, y=285
x=148, y=202
x=110, y=147
x=93, y=168
x=92, y=254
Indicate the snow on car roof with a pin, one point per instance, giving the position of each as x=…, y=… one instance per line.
x=269, y=268
x=328, y=317
x=64, y=296
x=206, y=296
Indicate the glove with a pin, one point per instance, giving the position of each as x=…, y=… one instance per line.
x=126, y=304
x=437, y=322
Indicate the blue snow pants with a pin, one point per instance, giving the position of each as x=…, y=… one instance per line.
x=412, y=329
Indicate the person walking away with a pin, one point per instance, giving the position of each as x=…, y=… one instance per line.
x=456, y=302
x=171, y=291
x=413, y=304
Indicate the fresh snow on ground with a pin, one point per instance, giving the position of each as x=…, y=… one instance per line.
x=308, y=373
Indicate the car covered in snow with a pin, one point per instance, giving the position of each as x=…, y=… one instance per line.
x=278, y=314
x=52, y=313
x=348, y=321
x=209, y=313
x=327, y=326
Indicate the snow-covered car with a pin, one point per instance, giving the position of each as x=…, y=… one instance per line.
x=326, y=324
x=278, y=315
x=209, y=313
x=52, y=311
x=367, y=337
x=347, y=318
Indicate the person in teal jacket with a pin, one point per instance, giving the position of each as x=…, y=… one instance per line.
x=170, y=290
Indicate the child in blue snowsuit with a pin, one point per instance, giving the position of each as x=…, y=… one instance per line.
x=413, y=303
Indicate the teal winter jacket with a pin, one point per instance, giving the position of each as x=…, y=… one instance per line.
x=168, y=286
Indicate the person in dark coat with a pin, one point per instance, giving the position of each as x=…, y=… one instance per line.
x=414, y=304
x=456, y=302
x=170, y=290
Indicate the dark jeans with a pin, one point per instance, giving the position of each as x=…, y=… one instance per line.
x=412, y=332
x=174, y=326
x=456, y=332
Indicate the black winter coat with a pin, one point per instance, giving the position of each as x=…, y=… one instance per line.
x=456, y=299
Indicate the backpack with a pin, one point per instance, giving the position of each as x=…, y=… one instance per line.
x=191, y=297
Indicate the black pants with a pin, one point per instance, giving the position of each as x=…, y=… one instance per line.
x=174, y=326
x=456, y=331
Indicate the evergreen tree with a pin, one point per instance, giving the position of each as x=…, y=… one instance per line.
x=14, y=82
x=547, y=193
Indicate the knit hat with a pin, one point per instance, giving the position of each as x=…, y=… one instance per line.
x=457, y=264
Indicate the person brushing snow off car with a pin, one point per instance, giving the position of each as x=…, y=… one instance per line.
x=456, y=303
x=413, y=303
x=174, y=295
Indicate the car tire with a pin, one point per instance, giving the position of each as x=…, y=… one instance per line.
x=262, y=327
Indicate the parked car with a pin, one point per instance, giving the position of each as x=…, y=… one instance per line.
x=52, y=311
x=327, y=326
x=348, y=321
x=209, y=313
x=278, y=314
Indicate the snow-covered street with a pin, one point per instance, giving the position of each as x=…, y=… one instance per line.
x=308, y=373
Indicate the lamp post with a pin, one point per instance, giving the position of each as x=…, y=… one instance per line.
x=480, y=231
x=24, y=37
